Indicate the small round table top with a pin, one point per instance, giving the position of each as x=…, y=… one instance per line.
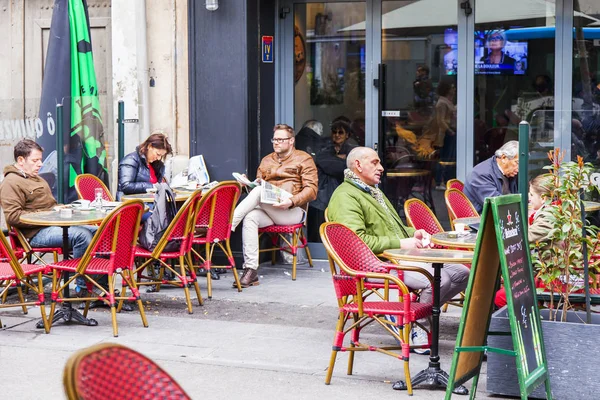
x=53, y=218
x=467, y=220
x=407, y=172
x=466, y=240
x=180, y=195
x=447, y=163
x=430, y=255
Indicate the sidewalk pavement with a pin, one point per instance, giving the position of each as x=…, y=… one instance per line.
x=270, y=341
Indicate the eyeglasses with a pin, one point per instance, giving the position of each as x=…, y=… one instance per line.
x=496, y=38
x=280, y=140
x=338, y=132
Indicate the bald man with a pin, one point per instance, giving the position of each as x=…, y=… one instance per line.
x=359, y=204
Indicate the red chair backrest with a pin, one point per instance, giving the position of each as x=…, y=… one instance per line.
x=350, y=248
x=419, y=216
x=216, y=210
x=459, y=206
x=86, y=184
x=117, y=236
x=455, y=184
x=88, y=377
x=7, y=255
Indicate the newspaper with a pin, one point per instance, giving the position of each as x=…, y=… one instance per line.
x=245, y=181
x=272, y=194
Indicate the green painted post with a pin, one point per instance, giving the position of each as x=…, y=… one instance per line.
x=524, y=129
x=121, y=137
x=60, y=154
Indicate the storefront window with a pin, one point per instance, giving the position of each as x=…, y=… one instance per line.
x=329, y=92
x=585, y=123
x=420, y=52
x=514, y=76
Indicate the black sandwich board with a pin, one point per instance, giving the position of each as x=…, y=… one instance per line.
x=502, y=248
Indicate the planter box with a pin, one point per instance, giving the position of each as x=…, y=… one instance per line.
x=572, y=352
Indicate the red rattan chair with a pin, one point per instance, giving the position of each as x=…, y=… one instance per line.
x=86, y=184
x=181, y=231
x=24, y=251
x=277, y=232
x=109, y=371
x=419, y=216
x=459, y=206
x=352, y=256
x=109, y=253
x=455, y=184
x=213, y=227
x=14, y=274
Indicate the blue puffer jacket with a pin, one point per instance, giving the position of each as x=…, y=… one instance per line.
x=134, y=174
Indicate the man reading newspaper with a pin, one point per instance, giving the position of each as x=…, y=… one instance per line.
x=284, y=172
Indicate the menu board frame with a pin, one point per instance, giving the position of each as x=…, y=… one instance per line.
x=502, y=249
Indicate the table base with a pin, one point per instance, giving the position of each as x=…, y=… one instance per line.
x=431, y=376
x=68, y=314
x=434, y=377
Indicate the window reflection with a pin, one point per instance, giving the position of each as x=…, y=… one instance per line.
x=514, y=76
x=329, y=92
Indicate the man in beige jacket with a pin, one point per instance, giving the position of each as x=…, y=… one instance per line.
x=290, y=169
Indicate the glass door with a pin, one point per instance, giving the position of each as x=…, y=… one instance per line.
x=329, y=66
x=417, y=99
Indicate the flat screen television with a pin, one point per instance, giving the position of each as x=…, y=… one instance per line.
x=494, y=54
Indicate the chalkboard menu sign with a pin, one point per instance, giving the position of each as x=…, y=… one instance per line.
x=502, y=250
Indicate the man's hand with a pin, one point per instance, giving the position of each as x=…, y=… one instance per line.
x=423, y=238
x=284, y=205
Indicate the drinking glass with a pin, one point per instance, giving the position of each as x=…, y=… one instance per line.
x=98, y=201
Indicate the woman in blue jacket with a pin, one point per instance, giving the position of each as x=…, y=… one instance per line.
x=144, y=167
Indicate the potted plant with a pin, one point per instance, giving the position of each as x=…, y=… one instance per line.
x=570, y=342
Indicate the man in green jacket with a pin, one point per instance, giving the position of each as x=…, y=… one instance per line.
x=360, y=205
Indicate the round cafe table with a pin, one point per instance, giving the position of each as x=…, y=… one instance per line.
x=466, y=240
x=433, y=376
x=180, y=195
x=53, y=218
x=467, y=220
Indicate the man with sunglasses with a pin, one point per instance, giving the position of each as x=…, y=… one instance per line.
x=290, y=169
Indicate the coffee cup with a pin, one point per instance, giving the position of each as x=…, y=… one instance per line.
x=66, y=213
x=459, y=227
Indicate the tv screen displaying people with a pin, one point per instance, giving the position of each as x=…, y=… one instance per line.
x=494, y=54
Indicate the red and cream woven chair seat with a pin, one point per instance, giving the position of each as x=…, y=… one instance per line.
x=278, y=233
x=14, y=274
x=24, y=251
x=109, y=254
x=459, y=205
x=97, y=373
x=455, y=184
x=86, y=185
x=351, y=263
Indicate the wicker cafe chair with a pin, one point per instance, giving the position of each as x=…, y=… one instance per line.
x=181, y=231
x=109, y=253
x=455, y=184
x=299, y=241
x=213, y=228
x=24, y=251
x=419, y=216
x=14, y=274
x=86, y=184
x=459, y=206
x=109, y=371
x=346, y=250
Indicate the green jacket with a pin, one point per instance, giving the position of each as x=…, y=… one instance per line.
x=359, y=211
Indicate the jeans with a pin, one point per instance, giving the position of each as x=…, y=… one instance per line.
x=257, y=215
x=79, y=240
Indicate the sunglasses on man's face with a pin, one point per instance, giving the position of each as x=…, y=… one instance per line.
x=496, y=38
x=338, y=133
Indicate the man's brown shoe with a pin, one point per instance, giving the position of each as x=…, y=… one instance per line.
x=249, y=278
